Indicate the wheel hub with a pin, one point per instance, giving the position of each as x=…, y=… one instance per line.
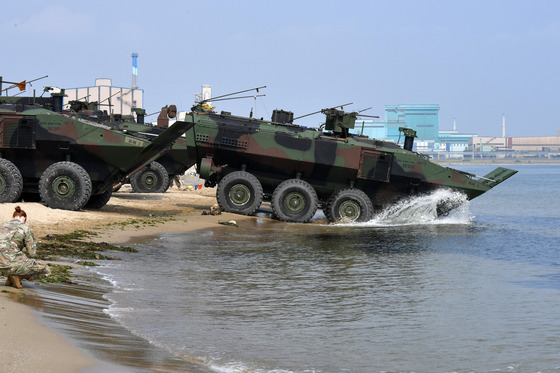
x=294, y=202
x=149, y=179
x=239, y=194
x=64, y=187
x=349, y=210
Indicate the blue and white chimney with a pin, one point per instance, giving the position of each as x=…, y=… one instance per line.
x=134, y=70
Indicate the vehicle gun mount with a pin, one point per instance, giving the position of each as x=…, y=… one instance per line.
x=339, y=122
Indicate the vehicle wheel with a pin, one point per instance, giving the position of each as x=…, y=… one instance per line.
x=295, y=201
x=97, y=201
x=11, y=182
x=65, y=185
x=151, y=179
x=239, y=192
x=349, y=205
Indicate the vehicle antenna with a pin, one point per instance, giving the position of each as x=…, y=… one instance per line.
x=21, y=84
x=109, y=104
x=231, y=94
x=154, y=113
x=84, y=98
x=234, y=98
x=364, y=115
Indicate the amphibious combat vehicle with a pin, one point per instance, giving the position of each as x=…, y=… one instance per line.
x=156, y=176
x=70, y=162
x=301, y=169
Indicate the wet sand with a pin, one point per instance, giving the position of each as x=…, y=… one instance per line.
x=29, y=346
x=62, y=328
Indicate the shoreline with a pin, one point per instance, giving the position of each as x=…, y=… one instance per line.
x=127, y=218
x=496, y=162
x=30, y=346
x=36, y=344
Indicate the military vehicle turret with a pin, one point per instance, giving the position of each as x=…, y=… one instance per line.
x=70, y=162
x=301, y=169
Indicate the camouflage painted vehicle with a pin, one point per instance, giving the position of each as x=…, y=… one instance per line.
x=301, y=169
x=157, y=176
x=70, y=162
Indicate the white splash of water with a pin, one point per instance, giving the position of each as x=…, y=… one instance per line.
x=423, y=210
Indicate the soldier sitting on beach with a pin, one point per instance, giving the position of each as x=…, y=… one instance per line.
x=15, y=238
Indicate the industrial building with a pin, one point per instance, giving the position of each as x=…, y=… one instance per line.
x=515, y=144
x=114, y=100
x=453, y=141
x=422, y=118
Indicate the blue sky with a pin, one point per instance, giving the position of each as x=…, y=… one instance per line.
x=477, y=59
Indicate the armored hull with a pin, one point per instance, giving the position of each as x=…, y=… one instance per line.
x=302, y=169
x=69, y=161
x=156, y=177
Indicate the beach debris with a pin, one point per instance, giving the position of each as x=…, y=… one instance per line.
x=214, y=210
x=232, y=223
x=194, y=187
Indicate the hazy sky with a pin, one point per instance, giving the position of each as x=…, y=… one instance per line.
x=477, y=59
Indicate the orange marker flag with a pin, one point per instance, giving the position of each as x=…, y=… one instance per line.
x=21, y=85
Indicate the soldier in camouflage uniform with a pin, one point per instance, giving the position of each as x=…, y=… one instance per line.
x=15, y=239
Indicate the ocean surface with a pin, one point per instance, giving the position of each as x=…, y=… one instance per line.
x=476, y=291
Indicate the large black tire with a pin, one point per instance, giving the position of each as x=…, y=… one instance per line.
x=65, y=185
x=11, y=182
x=349, y=205
x=151, y=179
x=97, y=201
x=239, y=192
x=294, y=201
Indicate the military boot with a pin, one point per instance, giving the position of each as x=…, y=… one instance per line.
x=15, y=281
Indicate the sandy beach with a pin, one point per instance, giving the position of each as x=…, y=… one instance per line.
x=31, y=346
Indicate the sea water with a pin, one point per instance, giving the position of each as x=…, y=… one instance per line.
x=476, y=291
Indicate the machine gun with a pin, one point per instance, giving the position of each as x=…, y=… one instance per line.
x=340, y=122
x=323, y=110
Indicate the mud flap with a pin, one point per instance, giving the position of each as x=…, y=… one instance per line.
x=497, y=176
